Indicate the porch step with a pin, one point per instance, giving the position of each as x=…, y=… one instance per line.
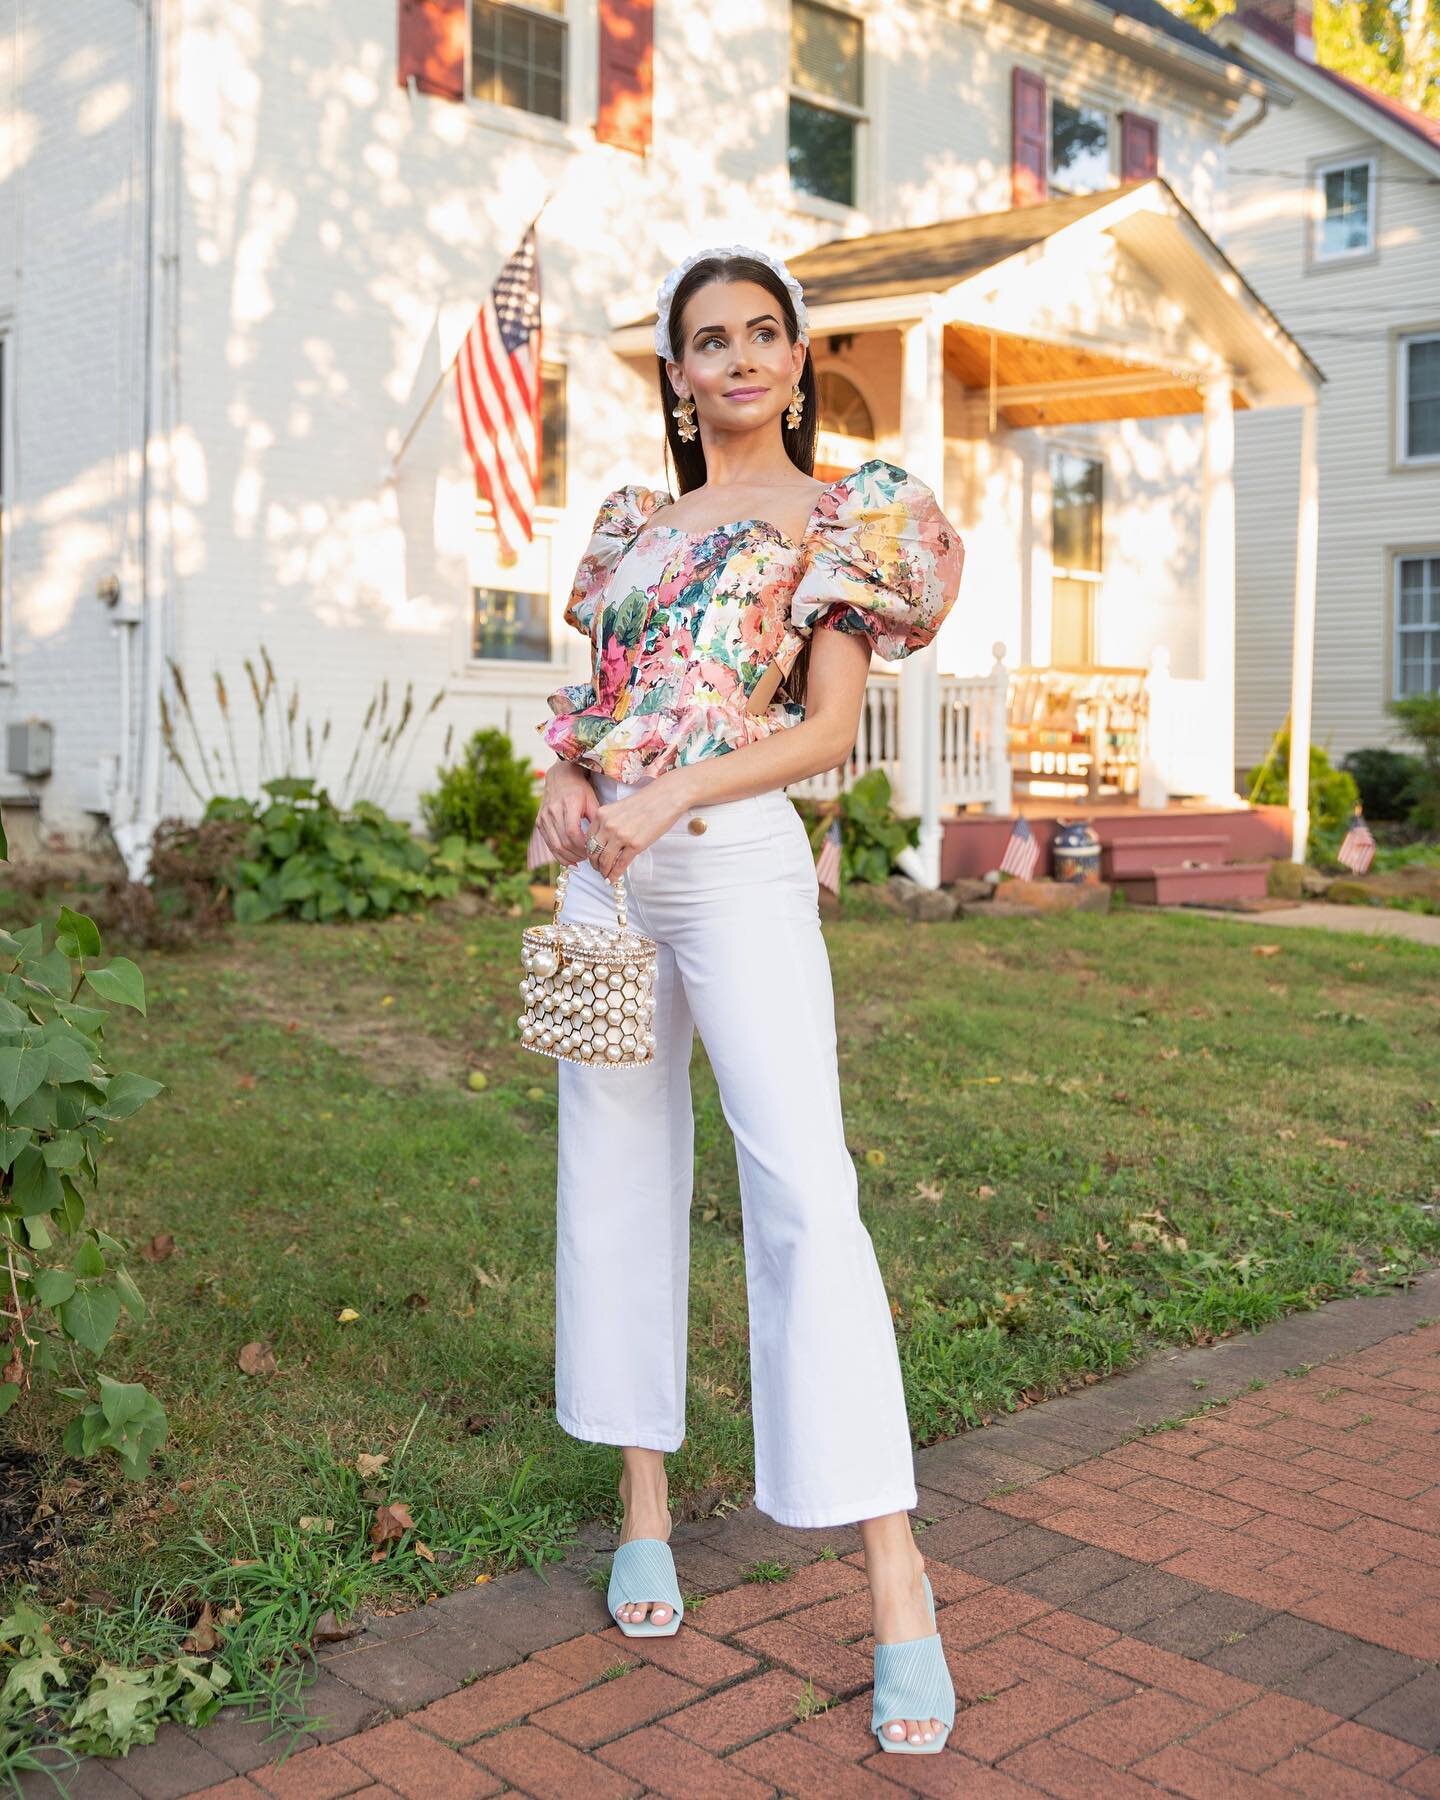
x=1138, y=855
x=1200, y=886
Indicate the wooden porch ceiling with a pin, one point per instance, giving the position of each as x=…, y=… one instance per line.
x=1084, y=385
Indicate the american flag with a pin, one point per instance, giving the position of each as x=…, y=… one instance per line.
x=827, y=864
x=497, y=378
x=1357, y=851
x=1022, y=853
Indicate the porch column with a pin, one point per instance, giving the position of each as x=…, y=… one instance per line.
x=1302, y=639
x=922, y=435
x=1218, y=587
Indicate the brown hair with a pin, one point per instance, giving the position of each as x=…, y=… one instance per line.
x=688, y=460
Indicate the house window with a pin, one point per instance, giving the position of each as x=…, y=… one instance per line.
x=1417, y=625
x=511, y=625
x=826, y=100
x=1079, y=149
x=1344, y=209
x=1418, y=408
x=517, y=55
x=1076, y=489
x=842, y=407
x=553, y=434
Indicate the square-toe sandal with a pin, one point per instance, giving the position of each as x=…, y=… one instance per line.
x=912, y=1681
x=644, y=1569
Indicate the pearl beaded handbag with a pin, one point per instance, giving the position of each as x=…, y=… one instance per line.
x=588, y=990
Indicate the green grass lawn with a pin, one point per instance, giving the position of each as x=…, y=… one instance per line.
x=1075, y=1139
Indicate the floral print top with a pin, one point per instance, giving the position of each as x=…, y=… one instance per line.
x=684, y=623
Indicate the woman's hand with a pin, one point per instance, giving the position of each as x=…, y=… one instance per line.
x=568, y=800
x=626, y=827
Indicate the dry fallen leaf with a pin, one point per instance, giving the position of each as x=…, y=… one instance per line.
x=347, y=1315
x=159, y=1247
x=258, y=1359
x=328, y=1630
x=311, y=1523
x=424, y=1550
x=1264, y=949
x=391, y=1524
x=929, y=1190
x=1284, y=1131
x=369, y=1466
x=986, y=1193
x=204, y=1638
x=1335, y=1143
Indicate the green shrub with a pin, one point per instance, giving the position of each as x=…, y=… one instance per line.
x=66, y=1280
x=488, y=797
x=1333, y=794
x=1387, y=780
x=1419, y=714
x=305, y=858
x=872, y=834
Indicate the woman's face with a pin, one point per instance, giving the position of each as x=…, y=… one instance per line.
x=737, y=362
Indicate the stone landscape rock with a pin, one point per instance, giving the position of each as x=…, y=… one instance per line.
x=970, y=888
x=998, y=909
x=1055, y=896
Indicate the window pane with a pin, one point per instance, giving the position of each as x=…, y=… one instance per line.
x=518, y=58
x=514, y=626
x=552, y=435
x=822, y=152
x=825, y=53
x=1079, y=148
x=1346, y=224
x=1072, y=623
x=842, y=409
x=1076, y=488
x=1422, y=398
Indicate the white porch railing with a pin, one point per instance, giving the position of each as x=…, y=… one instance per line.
x=972, y=740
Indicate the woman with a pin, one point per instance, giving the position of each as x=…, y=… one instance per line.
x=732, y=632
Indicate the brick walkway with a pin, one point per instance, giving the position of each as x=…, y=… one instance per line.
x=1247, y=1603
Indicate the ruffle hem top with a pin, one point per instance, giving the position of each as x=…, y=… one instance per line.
x=685, y=623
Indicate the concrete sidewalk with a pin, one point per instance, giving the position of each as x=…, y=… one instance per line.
x=1241, y=1602
x=1365, y=921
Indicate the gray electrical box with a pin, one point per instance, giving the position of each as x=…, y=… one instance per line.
x=27, y=748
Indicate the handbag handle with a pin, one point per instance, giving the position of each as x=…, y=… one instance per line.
x=562, y=881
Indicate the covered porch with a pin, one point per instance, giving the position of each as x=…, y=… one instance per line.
x=1001, y=358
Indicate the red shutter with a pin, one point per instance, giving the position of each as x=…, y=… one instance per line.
x=1030, y=138
x=627, y=41
x=1139, y=147
x=432, y=47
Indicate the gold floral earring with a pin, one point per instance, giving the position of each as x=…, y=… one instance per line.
x=794, y=409
x=684, y=414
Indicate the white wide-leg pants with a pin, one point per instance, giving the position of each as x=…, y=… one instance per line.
x=734, y=909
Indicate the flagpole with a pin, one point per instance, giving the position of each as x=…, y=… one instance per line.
x=391, y=468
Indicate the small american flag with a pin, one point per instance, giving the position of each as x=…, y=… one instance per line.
x=1357, y=851
x=827, y=864
x=497, y=378
x=539, y=851
x=1022, y=853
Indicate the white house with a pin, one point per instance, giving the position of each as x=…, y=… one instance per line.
x=248, y=240
x=1334, y=214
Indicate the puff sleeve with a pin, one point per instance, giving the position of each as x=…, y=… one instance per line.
x=619, y=521
x=884, y=561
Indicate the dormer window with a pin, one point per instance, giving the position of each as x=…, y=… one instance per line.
x=1344, y=209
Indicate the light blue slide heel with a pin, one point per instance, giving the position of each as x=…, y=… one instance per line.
x=913, y=1682
x=644, y=1569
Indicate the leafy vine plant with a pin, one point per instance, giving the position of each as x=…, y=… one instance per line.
x=64, y=1280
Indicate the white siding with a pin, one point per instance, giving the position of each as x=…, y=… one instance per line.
x=1344, y=315
x=71, y=209
x=325, y=220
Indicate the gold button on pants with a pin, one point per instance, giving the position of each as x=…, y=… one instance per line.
x=698, y=825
